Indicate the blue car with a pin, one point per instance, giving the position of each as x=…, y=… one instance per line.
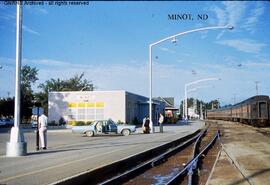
x=104, y=127
x=7, y=122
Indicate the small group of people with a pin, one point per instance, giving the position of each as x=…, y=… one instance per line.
x=42, y=129
x=146, y=124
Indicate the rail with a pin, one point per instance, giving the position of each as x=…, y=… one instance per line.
x=192, y=165
x=151, y=163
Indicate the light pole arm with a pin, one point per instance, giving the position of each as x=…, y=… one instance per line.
x=202, y=80
x=191, y=31
x=190, y=90
x=192, y=83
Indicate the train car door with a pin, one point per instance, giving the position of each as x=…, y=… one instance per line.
x=248, y=111
x=262, y=106
x=254, y=111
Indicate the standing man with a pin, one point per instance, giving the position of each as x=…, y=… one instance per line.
x=42, y=127
x=160, y=121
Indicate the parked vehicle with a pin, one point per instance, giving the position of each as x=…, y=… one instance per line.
x=104, y=127
x=2, y=122
x=6, y=122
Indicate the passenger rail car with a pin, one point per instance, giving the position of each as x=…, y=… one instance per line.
x=254, y=111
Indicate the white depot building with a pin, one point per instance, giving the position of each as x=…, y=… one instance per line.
x=98, y=105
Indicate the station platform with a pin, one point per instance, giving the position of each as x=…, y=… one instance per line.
x=245, y=158
x=70, y=154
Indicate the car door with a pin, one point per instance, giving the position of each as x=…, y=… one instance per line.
x=112, y=126
x=99, y=127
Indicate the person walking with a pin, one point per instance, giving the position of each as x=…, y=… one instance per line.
x=160, y=121
x=42, y=127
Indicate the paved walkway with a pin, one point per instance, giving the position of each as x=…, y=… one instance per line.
x=69, y=158
x=248, y=149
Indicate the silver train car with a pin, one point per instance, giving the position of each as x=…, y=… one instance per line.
x=254, y=111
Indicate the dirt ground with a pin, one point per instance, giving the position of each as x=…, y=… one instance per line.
x=245, y=158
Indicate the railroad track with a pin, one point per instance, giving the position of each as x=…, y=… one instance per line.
x=183, y=164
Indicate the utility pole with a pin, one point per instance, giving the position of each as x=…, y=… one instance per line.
x=257, y=88
x=17, y=146
x=195, y=105
x=201, y=111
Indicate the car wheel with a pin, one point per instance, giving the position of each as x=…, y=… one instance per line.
x=125, y=132
x=89, y=133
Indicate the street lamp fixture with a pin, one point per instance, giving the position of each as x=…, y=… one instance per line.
x=174, y=40
x=83, y=88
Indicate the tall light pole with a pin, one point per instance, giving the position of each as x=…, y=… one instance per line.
x=192, y=83
x=190, y=90
x=150, y=60
x=17, y=146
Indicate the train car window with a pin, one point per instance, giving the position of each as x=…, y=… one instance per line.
x=262, y=109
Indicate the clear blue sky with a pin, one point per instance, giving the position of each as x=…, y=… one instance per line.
x=108, y=41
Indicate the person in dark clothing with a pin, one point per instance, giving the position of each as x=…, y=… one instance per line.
x=146, y=126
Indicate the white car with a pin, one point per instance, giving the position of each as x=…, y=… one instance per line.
x=104, y=127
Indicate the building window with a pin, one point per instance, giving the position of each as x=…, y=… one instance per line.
x=85, y=111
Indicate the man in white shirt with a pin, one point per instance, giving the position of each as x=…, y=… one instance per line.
x=160, y=121
x=42, y=127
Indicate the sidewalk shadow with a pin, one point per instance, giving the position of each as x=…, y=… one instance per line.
x=252, y=175
x=179, y=123
x=50, y=151
x=83, y=147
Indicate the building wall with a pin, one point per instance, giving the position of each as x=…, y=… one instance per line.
x=87, y=105
x=91, y=105
x=135, y=107
x=158, y=107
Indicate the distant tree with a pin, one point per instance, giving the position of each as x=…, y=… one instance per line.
x=6, y=107
x=28, y=78
x=190, y=102
x=75, y=83
x=213, y=104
